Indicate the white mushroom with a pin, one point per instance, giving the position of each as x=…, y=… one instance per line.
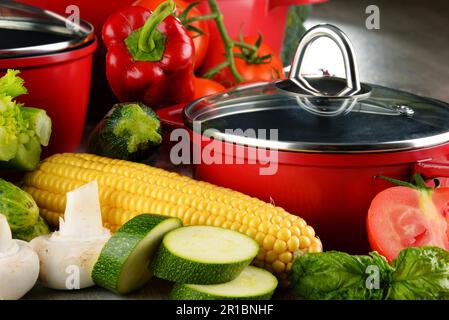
x=67, y=256
x=19, y=265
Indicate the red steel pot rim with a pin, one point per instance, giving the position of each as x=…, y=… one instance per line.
x=433, y=153
x=52, y=58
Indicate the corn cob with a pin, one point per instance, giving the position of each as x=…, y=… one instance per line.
x=128, y=189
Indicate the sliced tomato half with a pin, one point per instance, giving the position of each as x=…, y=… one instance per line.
x=402, y=217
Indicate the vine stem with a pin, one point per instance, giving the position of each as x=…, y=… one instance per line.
x=228, y=43
x=248, y=46
x=201, y=18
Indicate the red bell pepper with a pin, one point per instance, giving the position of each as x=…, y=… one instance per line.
x=150, y=56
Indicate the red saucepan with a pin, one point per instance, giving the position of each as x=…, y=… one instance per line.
x=334, y=137
x=54, y=56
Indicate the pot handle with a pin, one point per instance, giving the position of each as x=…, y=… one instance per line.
x=432, y=169
x=172, y=116
x=353, y=85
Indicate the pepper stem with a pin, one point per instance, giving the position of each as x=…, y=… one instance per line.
x=146, y=40
x=5, y=234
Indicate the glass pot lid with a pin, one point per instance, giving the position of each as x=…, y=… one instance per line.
x=26, y=31
x=321, y=114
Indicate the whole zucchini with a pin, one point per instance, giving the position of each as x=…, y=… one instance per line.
x=130, y=131
x=31, y=232
x=17, y=206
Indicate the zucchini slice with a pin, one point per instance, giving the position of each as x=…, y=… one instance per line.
x=123, y=263
x=252, y=284
x=203, y=255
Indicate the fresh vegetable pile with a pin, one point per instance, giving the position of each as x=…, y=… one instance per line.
x=119, y=223
x=209, y=259
x=128, y=189
x=23, y=130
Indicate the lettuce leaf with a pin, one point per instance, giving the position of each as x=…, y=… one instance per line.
x=11, y=85
x=11, y=127
x=421, y=273
x=338, y=275
x=22, y=130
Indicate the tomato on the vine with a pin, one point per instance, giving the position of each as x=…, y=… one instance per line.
x=264, y=65
x=205, y=87
x=198, y=30
x=408, y=216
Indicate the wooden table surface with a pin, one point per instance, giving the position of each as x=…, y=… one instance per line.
x=409, y=52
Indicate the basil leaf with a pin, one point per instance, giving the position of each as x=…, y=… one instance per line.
x=420, y=273
x=337, y=275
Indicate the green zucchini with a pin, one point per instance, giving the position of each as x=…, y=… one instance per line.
x=17, y=206
x=252, y=284
x=203, y=255
x=122, y=266
x=29, y=233
x=130, y=131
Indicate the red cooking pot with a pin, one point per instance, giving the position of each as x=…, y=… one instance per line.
x=250, y=17
x=315, y=145
x=54, y=57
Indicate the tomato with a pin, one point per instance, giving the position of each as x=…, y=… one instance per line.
x=205, y=87
x=267, y=70
x=402, y=217
x=201, y=41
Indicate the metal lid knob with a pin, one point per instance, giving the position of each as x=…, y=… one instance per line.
x=325, y=86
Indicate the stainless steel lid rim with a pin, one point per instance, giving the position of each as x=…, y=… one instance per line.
x=313, y=147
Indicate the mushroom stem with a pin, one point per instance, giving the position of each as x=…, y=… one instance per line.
x=6, y=242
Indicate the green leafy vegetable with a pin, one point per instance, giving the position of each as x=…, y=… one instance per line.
x=22, y=130
x=421, y=273
x=337, y=275
x=417, y=273
x=11, y=85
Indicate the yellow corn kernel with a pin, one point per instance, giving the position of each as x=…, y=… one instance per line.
x=304, y=242
x=279, y=246
x=278, y=266
x=284, y=234
x=293, y=244
x=286, y=257
x=268, y=242
x=270, y=256
x=259, y=237
x=251, y=232
x=235, y=226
